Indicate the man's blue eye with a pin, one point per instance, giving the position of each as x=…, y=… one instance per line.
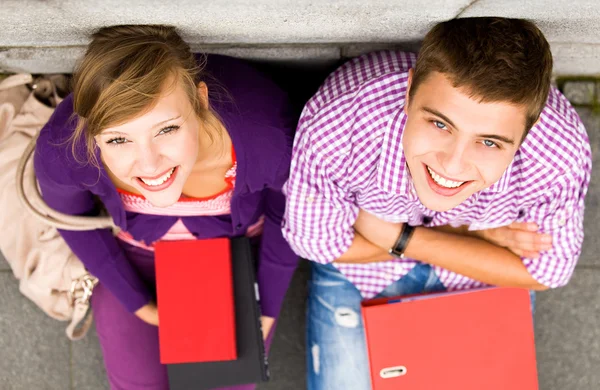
x=489, y=144
x=439, y=125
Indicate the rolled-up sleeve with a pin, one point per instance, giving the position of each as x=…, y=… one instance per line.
x=561, y=215
x=319, y=215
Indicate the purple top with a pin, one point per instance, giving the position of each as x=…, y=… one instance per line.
x=257, y=116
x=348, y=155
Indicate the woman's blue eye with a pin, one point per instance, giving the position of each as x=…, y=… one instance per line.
x=439, y=125
x=117, y=141
x=489, y=144
x=169, y=129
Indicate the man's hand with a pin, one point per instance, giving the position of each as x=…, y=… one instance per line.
x=521, y=238
x=267, y=324
x=148, y=313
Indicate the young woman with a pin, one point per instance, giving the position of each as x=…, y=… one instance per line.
x=176, y=147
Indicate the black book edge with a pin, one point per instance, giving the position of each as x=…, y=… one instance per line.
x=262, y=349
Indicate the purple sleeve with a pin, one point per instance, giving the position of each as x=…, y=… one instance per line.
x=277, y=260
x=98, y=250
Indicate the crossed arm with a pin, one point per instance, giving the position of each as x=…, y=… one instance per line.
x=491, y=256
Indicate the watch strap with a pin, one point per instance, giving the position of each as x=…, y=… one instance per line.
x=402, y=242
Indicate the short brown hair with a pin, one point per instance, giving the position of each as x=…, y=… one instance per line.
x=123, y=73
x=494, y=59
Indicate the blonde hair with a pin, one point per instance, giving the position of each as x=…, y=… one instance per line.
x=123, y=73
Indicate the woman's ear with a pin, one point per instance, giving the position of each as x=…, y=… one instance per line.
x=202, y=89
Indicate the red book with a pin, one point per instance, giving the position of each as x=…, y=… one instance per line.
x=195, y=301
x=470, y=340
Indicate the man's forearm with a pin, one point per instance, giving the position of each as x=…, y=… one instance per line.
x=363, y=251
x=453, y=249
x=471, y=257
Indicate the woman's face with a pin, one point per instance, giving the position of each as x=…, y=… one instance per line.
x=155, y=152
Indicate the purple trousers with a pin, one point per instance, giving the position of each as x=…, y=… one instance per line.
x=129, y=345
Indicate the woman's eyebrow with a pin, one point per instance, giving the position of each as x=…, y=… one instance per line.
x=112, y=132
x=153, y=127
x=165, y=121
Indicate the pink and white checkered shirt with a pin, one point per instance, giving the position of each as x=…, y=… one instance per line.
x=348, y=155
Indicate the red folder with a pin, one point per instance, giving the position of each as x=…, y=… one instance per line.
x=470, y=340
x=195, y=301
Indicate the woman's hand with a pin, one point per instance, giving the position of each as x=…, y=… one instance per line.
x=148, y=313
x=521, y=238
x=267, y=324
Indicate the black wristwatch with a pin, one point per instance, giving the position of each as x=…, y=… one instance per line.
x=402, y=242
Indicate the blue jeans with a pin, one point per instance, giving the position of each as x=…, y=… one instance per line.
x=336, y=349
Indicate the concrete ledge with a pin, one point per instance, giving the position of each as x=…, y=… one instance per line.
x=54, y=23
x=560, y=21
x=576, y=58
x=63, y=59
x=304, y=54
x=357, y=49
x=569, y=58
x=68, y=22
x=48, y=36
x=40, y=59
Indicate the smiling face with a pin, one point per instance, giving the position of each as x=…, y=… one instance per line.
x=154, y=153
x=454, y=145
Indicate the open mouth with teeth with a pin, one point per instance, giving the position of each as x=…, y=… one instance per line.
x=442, y=185
x=160, y=182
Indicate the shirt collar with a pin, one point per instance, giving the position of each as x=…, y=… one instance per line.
x=392, y=172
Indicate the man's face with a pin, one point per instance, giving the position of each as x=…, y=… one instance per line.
x=454, y=145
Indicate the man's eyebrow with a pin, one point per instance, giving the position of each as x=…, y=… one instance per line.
x=437, y=113
x=153, y=127
x=488, y=136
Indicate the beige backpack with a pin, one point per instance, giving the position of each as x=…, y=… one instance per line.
x=49, y=273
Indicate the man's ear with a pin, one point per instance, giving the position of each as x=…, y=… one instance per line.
x=411, y=73
x=202, y=89
x=528, y=130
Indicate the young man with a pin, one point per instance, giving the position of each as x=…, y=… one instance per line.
x=459, y=169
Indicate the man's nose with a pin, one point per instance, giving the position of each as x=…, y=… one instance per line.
x=454, y=160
